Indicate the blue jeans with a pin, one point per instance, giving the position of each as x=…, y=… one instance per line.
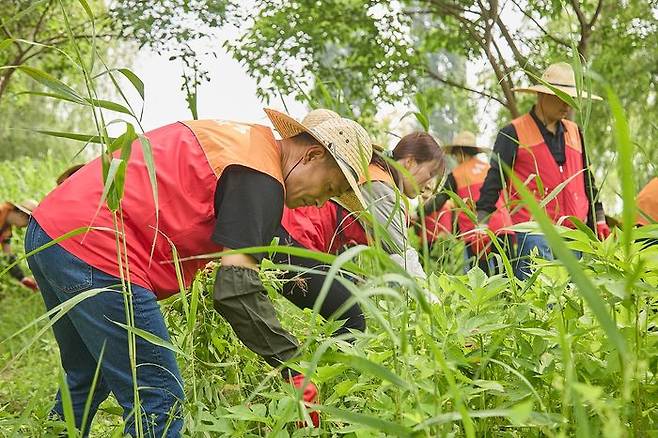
x=526, y=242
x=83, y=331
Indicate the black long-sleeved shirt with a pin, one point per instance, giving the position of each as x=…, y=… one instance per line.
x=505, y=148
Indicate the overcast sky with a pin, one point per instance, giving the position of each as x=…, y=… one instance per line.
x=230, y=94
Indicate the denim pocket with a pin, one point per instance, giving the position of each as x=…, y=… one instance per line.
x=64, y=271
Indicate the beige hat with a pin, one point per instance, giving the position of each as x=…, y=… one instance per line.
x=345, y=140
x=27, y=206
x=560, y=76
x=465, y=139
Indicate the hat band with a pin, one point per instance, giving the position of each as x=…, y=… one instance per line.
x=556, y=84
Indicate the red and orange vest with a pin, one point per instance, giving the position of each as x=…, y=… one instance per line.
x=5, y=228
x=330, y=227
x=647, y=203
x=535, y=166
x=469, y=177
x=189, y=158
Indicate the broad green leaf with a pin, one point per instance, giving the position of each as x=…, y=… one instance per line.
x=51, y=82
x=128, y=74
x=147, y=152
x=366, y=366
x=88, y=138
x=5, y=43
x=87, y=9
x=371, y=421
x=108, y=184
x=153, y=339
x=109, y=105
x=67, y=404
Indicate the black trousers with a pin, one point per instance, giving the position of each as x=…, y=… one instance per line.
x=304, y=288
x=487, y=262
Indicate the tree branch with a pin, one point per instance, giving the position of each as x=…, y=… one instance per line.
x=575, y=4
x=597, y=12
x=541, y=28
x=520, y=59
x=451, y=83
x=37, y=27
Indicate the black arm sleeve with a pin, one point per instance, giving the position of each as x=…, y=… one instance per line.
x=16, y=270
x=504, y=151
x=442, y=197
x=591, y=190
x=239, y=296
x=248, y=206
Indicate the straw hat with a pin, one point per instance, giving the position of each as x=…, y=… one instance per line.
x=347, y=142
x=560, y=76
x=27, y=206
x=464, y=139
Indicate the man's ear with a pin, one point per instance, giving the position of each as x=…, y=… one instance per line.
x=314, y=152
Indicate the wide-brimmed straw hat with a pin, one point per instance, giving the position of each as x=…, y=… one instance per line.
x=465, y=139
x=27, y=206
x=560, y=76
x=347, y=142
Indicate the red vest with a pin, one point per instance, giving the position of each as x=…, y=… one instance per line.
x=534, y=162
x=330, y=227
x=469, y=177
x=5, y=228
x=190, y=158
x=647, y=203
x=439, y=222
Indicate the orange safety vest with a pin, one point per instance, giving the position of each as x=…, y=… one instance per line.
x=647, y=203
x=330, y=227
x=469, y=177
x=5, y=229
x=535, y=166
x=190, y=158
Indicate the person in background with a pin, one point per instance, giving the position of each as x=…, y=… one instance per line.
x=647, y=207
x=15, y=215
x=465, y=180
x=221, y=185
x=647, y=203
x=544, y=149
x=437, y=223
x=338, y=224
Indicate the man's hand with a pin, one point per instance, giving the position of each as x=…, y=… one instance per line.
x=478, y=240
x=310, y=395
x=602, y=230
x=30, y=283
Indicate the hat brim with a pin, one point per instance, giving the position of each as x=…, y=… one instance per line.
x=22, y=209
x=288, y=127
x=360, y=203
x=351, y=202
x=571, y=91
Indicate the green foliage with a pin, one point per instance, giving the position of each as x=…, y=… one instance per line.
x=535, y=361
x=387, y=52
